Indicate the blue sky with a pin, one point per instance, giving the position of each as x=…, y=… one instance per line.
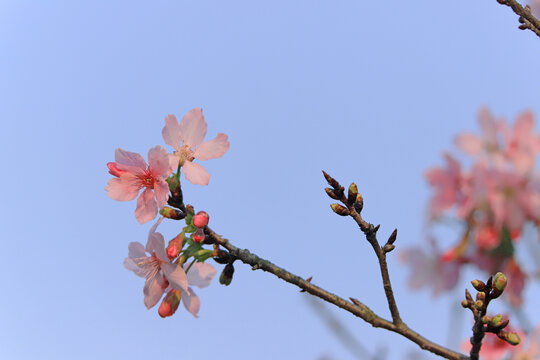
x=371, y=92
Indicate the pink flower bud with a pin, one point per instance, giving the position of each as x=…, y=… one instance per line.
x=169, y=304
x=198, y=236
x=200, y=220
x=114, y=170
x=175, y=246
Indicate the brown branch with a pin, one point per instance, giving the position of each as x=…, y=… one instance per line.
x=355, y=307
x=527, y=20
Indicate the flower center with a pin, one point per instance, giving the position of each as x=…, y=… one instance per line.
x=147, y=179
x=150, y=265
x=184, y=154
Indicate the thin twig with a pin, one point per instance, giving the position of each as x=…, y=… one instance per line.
x=527, y=20
x=357, y=308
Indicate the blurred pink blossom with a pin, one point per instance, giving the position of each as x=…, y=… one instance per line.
x=132, y=174
x=447, y=183
x=532, y=350
x=156, y=267
x=186, y=138
x=199, y=275
x=430, y=271
x=522, y=143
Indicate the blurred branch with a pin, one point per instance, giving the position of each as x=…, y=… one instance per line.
x=339, y=330
x=526, y=19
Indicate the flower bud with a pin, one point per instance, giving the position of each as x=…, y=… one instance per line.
x=478, y=285
x=500, y=281
x=497, y=320
x=340, y=209
x=388, y=247
x=359, y=203
x=170, y=303
x=465, y=303
x=479, y=304
x=352, y=193
x=201, y=219
x=174, y=184
x=171, y=213
x=331, y=193
x=198, y=236
x=481, y=296
x=189, y=209
x=175, y=246
x=486, y=319
x=226, y=275
x=512, y=338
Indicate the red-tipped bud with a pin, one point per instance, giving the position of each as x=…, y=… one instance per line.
x=201, y=219
x=478, y=285
x=465, y=303
x=340, y=209
x=114, y=170
x=486, y=319
x=198, y=236
x=175, y=246
x=170, y=303
x=189, y=209
x=479, y=304
x=499, y=281
x=481, y=296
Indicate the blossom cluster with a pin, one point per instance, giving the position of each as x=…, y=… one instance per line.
x=493, y=200
x=172, y=269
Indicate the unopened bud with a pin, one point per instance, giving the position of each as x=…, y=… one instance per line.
x=481, y=296
x=170, y=303
x=340, y=209
x=171, y=213
x=351, y=196
x=486, y=319
x=201, y=219
x=479, y=304
x=392, y=237
x=465, y=303
x=512, y=338
x=226, y=275
x=198, y=236
x=190, y=210
x=175, y=246
x=497, y=320
x=478, y=285
x=359, y=203
x=331, y=193
x=468, y=296
x=499, y=281
x=331, y=181
x=388, y=247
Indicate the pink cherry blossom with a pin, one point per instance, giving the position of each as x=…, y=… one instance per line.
x=516, y=283
x=133, y=174
x=430, y=271
x=186, y=138
x=485, y=145
x=522, y=143
x=156, y=267
x=447, y=184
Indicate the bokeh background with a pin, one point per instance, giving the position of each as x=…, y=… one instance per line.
x=372, y=92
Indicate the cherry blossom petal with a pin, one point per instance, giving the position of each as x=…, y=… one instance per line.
x=488, y=125
x=153, y=291
x=156, y=244
x=196, y=174
x=524, y=125
x=171, y=132
x=173, y=162
x=191, y=301
x=146, y=207
x=193, y=128
x=159, y=161
x=132, y=266
x=201, y=274
x=136, y=250
x=213, y=149
x=176, y=276
x=121, y=189
x=469, y=143
x=161, y=190
x=128, y=158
